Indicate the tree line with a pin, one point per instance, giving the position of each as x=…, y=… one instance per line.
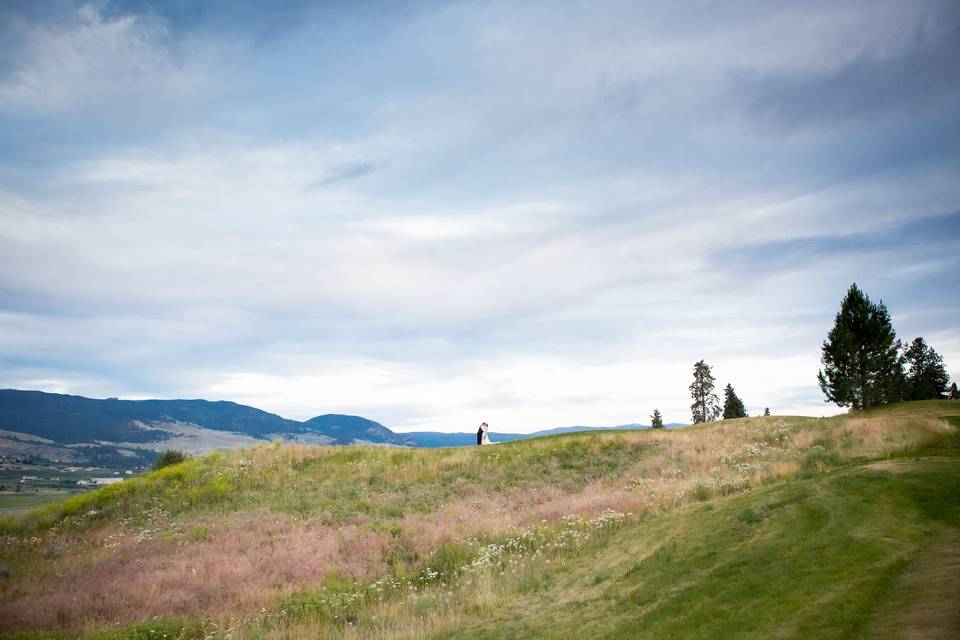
x=864, y=365
x=706, y=405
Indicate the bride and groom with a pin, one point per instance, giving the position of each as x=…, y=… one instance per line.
x=483, y=434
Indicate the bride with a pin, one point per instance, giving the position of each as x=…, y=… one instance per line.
x=483, y=434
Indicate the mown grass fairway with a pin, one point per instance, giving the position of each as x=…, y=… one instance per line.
x=762, y=527
x=810, y=558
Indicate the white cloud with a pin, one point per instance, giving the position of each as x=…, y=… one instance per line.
x=520, y=393
x=85, y=59
x=537, y=217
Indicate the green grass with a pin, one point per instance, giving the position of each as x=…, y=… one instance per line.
x=342, y=483
x=765, y=527
x=165, y=629
x=27, y=500
x=809, y=558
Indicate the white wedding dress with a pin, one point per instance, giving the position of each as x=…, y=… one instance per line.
x=485, y=438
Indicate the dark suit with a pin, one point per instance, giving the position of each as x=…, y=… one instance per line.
x=479, y=435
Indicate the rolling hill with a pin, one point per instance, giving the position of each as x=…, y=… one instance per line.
x=58, y=427
x=785, y=527
x=52, y=427
x=443, y=439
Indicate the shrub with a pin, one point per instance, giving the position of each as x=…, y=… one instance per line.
x=168, y=458
x=448, y=559
x=701, y=492
x=818, y=457
x=336, y=601
x=823, y=441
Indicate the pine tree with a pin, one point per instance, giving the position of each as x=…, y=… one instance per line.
x=732, y=404
x=706, y=405
x=766, y=411
x=954, y=393
x=656, y=420
x=862, y=366
x=169, y=457
x=926, y=376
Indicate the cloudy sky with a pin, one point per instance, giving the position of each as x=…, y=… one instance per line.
x=435, y=213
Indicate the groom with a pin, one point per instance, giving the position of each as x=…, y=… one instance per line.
x=480, y=434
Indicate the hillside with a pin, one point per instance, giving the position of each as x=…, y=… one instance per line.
x=343, y=429
x=432, y=439
x=58, y=427
x=779, y=526
x=442, y=439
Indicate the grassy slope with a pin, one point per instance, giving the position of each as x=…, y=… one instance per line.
x=815, y=555
x=812, y=558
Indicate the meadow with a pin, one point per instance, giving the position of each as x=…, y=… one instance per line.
x=757, y=527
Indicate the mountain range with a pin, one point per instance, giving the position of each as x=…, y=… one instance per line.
x=53, y=427
x=67, y=428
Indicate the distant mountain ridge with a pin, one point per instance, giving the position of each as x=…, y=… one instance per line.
x=36, y=425
x=81, y=429
x=345, y=429
x=442, y=439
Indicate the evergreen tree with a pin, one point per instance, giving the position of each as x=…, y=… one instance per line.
x=954, y=394
x=926, y=377
x=766, y=411
x=656, y=420
x=706, y=405
x=732, y=404
x=169, y=457
x=862, y=366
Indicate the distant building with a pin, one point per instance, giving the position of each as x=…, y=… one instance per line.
x=93, y=482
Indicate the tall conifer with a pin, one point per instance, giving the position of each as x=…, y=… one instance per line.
x=706, y=405
x=862, y=366
x=656, y=420
x=927, y=378
x=732, y=404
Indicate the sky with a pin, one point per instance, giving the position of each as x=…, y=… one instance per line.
x=434, y=214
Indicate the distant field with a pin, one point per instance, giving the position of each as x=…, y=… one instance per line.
x=786, y=527
x=52, y=484
x=17, y=502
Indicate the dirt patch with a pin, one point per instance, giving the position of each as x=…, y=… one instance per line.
x=898, y=467
x=926, y=603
